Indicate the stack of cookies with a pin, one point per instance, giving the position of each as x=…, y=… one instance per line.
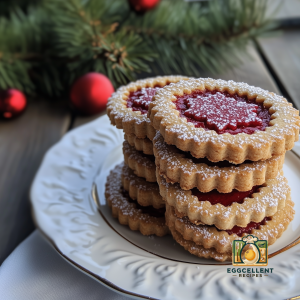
x=219, y=151
x=132, y=191
x=203, y=161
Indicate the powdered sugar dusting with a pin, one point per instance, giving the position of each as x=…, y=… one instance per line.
x=187, y=137
x=138, y=157
x=139, y=100
x=175, y=159
x=263, y=203
x=113, y=194
x=198, y=250
x=222, y=112
x=209, y=236
x=117, y=104
x=139, y=183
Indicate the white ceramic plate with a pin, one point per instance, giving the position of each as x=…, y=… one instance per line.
x=66, y=191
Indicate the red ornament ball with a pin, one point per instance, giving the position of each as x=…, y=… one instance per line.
x=12, y=103
x=143, y=5
x=89, y=93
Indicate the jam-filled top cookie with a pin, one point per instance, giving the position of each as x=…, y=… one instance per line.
x=223, y=112
x=127, y=108
x=224, y=120
x=139, y=100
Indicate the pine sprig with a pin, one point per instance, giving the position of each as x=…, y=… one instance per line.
x=46, y=45
x=19, y=47
x=93, y=45
x=208, y=36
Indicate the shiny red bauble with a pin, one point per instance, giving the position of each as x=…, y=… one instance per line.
x=89, y=93
x=143, y=5
x=12, y=103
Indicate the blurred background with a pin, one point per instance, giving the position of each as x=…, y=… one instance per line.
x=61, y=60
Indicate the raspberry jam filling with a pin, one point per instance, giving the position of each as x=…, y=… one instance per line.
x=214, y=197
x=223, y=112
x=150, y=210
x=139, y=100
x=240, y=230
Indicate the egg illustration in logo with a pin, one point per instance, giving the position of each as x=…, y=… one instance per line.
x=250, y=254
x=250, y=251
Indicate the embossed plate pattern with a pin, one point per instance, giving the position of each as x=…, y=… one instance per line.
x=70, y=180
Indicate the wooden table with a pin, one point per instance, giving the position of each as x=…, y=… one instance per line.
x=275, y=66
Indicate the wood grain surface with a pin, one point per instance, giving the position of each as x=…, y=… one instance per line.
x=24, y=141
x=285, y=9
x=283, y=54
x=253, y=71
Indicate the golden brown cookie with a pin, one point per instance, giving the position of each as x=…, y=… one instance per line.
x=263, y=202
x=145, y=145
x=178, y=166
x=143, y=165
x=198, y=250
x=132, y=116
x=210, y=237
x=223, y=120
x=145, y=219
x=144, y=192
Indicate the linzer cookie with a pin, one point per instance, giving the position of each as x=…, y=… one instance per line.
x=145, y=145
x=227, y=210
x=190, y=172
x=147, y=220
x=270, y=229
x=127, y=108
x=224, y=120
x=198, y=250
x=144, y=192
x=142, y=165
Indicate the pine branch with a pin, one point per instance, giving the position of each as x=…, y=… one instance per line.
x=46, y=45
x=7, y=6
x=81, y=34
x=210, y=36
x=19, y=47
